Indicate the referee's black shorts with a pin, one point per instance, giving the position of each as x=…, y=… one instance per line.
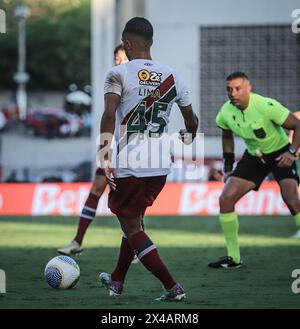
x=253, y=169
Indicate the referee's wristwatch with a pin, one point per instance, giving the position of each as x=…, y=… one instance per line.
x=292, y=150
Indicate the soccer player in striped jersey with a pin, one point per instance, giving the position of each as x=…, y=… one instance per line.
x=139, y=96
x=89, y=209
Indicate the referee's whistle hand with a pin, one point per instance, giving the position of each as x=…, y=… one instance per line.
x=285, y=159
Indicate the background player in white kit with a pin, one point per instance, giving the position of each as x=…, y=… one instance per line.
x=138, y=100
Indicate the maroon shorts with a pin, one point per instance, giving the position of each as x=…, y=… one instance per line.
x=134, y=194
x=100, y=172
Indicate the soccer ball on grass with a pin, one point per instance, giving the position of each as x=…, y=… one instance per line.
x=62, y=272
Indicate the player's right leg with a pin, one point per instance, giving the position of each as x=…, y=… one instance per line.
x=288, y=180
x=289, y=193
x=148, y=255
x=248, y=175
x=87, y=215
x=234, y=189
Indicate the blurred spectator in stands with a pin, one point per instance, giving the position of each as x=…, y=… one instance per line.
x=83, y=172
x=80, y=176
x=12, y=177
x=52, y=179
x=26, y=178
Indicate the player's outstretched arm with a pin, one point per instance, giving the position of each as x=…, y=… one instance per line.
x=111, y=103
x=293, y=123
x=287, y=158
x=191, y=124
x=227, y=141
x=107, y=127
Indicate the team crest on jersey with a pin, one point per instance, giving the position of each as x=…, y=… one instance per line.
x=149, y=78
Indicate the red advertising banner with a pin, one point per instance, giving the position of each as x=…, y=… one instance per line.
x=175, y=199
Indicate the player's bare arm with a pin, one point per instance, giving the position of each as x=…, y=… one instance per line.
x=228, y=151
x=287, y=158
x=191, y=124
x=107, y=127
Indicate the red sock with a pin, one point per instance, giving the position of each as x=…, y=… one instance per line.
x=148, y=255
x=125, y=258
x=87, y=215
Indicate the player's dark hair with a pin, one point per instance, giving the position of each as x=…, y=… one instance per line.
x=139, y=27
x=237, y=75
x=118, y=48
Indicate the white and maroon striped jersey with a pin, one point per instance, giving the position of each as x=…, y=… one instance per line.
x=148, y=90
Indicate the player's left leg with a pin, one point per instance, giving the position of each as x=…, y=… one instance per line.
x=248, y=175
x=289, y=192
x=114, y=282
x=234, y=189
x=126, y=257
x=90, y=207
x=87, y=216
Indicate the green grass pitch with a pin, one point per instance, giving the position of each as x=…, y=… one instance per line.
x=186, y=244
